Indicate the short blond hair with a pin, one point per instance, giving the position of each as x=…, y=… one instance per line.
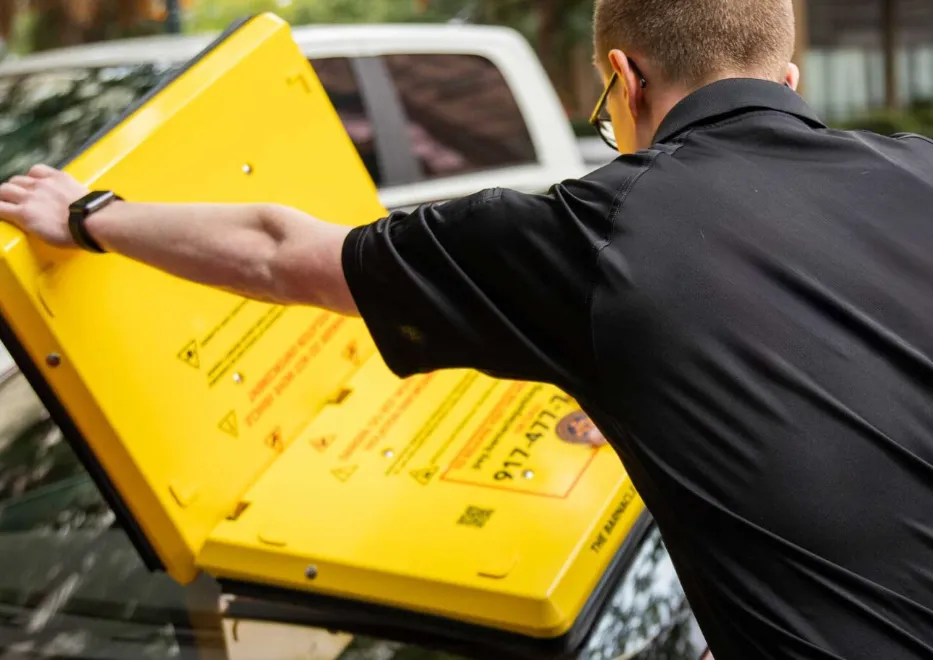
x=693, y=41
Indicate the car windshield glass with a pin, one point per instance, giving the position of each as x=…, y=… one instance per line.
x=46, y=116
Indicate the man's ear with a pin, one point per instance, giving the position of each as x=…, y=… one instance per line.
x=631, y=84
x=792, y=77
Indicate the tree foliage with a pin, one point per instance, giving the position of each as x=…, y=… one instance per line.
x=57, y=23
x=560, y=30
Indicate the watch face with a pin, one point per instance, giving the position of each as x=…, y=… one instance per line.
x=93, y=201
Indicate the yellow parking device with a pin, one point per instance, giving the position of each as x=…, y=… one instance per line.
x=270, y=446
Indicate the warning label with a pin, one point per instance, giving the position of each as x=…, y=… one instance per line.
x=225, y=345
x=380, y=424
x=243, y=344
x=344, y=473
x=323, y=442
x=209, y=337
x=228, y=424
x=428, y=429
x=461, y=427
x=291, y=364
x=190, y=354
x=516, y=445
x=424, y=475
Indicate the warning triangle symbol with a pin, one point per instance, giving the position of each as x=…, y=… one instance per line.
x=189, y=354
x=323, y=442
x=424, y=475
x=228, y=424
x=344, y=473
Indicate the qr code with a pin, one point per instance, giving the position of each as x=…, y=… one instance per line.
x=475, y=517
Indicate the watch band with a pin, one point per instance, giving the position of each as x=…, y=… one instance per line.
x=81, y=210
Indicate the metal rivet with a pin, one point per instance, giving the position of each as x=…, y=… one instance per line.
x=53, y=359
x=528, y=474
x=311, y=572
x=247, y=168
x=238, y=377
x=388, y=453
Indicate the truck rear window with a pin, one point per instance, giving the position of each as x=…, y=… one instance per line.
x=461, y=114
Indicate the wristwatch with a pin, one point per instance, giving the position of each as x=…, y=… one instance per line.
x=81, y=210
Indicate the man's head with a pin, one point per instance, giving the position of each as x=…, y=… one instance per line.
x=682, y=45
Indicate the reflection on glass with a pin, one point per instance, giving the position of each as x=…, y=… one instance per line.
x=72, y=585
x=339, y=81
x=364, y=648
x=46, y=116
x=461, y=113
x=648, y=618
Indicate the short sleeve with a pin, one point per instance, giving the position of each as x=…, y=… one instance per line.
x=499, y=281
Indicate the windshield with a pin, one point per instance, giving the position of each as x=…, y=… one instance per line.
x=6, y=363
x=46, y=116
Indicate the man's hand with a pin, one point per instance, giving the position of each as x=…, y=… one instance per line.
x=38, y=203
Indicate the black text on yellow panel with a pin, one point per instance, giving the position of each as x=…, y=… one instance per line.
x=271, y=447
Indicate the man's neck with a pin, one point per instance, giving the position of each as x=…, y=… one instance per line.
x=664, y=100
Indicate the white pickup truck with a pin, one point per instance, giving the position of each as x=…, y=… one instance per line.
x=435, y=112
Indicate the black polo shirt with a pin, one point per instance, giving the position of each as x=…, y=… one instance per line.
x=746, y=311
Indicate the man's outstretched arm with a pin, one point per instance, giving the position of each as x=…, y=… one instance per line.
x=261, y=251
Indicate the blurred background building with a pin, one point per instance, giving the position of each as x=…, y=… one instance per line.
x=863, y=55
x=864, y=61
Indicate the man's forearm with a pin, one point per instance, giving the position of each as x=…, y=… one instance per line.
x=265, y=252
x=268, y=252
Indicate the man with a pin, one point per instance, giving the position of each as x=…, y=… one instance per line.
x=744, y=307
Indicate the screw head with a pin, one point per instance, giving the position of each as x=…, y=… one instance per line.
x=53, y=359
x=388, y=453
x=247, y=168
x=528, y=474
x=238, y=378
x=311, y=572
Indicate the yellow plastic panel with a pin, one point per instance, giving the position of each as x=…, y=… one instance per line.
x=450, y=494
x=184, y=394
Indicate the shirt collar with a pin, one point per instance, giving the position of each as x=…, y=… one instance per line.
x=732, y=96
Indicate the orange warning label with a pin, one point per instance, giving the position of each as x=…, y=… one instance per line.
x=280, y=377
x=380, y=424
x=517, y=445
x=459, y=428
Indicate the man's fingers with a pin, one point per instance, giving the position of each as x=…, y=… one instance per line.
x=10, y=192
x=42, y=171
x=10, y=212
x=26, y=182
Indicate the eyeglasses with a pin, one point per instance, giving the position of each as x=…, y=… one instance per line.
x=600, y=119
